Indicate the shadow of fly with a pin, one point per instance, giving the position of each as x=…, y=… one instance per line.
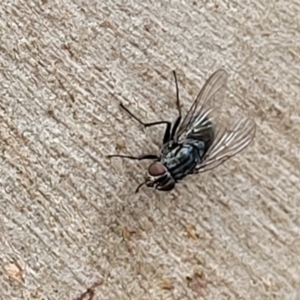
x=197, y=142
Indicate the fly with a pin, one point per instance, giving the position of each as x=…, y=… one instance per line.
x=197, y=142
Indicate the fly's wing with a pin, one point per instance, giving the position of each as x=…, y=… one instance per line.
x=200, y=119
x=201, y=123
x=228, y=143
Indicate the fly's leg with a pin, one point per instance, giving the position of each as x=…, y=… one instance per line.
x=167, y=135
x=177, y=122
x=141, y=157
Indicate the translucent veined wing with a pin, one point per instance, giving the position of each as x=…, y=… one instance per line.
x=200, y=118
x=228, y=143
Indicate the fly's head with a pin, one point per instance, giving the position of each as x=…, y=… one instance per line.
x=159, y=177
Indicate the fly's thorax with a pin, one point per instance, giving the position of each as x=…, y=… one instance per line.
x=183, y=159
x=159, y=176
x=183, y=148
x=183, y=152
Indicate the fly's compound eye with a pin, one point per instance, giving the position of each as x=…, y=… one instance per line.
x=156, y=169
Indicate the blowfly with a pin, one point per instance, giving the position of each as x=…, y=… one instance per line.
x=197, y=142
